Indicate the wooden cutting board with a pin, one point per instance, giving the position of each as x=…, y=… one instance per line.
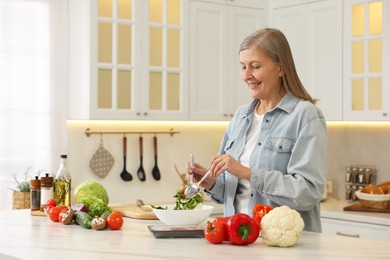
x=133, y=211
x=130, y=211
x=358, y=207
x=37, y=213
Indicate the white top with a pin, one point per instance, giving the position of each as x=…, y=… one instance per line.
x=243, y=190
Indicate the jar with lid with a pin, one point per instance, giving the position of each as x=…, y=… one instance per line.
x=348, y=192
x=354, y=174
x=35, y=194
x=360, y=177
x=368, y=175
x=46, y=190
x=348, y=174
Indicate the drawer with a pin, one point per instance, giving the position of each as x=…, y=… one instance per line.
x=356, y=229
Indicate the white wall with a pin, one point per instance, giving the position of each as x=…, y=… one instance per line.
x=348, y=144
x=201, y=140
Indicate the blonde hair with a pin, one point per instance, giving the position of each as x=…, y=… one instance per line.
x=272, y=43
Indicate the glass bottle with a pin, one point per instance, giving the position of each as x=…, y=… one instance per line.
x=35, y=194
x=46, y=190
x=63, y=183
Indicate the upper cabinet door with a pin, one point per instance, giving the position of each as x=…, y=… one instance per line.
x=366, y=60
x=315, y=35
x=164, y=62
x=137, y=66
x=216, y=31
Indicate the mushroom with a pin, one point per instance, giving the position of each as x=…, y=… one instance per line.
x=68, y=216
x=98, y=223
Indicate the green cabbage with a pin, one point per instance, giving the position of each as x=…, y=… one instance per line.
x=91, y=189
x=94, y=196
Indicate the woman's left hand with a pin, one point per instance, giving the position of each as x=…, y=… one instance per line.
x=225, y=162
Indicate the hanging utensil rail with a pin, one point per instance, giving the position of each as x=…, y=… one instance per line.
x=89, y=132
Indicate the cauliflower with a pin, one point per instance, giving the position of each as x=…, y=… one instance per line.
x=282, y=227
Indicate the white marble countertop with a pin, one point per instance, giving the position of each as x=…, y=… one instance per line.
x=333, y=208
x=30, y=237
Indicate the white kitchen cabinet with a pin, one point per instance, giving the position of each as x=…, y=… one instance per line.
x=243, y=3
x=314, y=31
x=128, y=59
x=216, y=31
x=366, y=70
x=285, y=3
x=355, y=229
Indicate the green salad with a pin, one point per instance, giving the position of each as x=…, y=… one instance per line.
x=182, y=203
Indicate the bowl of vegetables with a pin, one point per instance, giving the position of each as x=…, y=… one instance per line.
x=185, y=212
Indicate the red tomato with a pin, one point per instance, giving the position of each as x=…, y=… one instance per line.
x=62, y=214
x=51, y=203
x=115, y=220
x=215, y=232
x=63, y=207
x=54, y=212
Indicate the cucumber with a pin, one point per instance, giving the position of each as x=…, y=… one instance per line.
x=105, y=214
x=83, y=219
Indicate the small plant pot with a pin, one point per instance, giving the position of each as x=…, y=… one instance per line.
x=20, y=200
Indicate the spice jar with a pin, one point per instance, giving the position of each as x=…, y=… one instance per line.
x=347, y=174
x=46, y=190
x=361, y=175
x=35, y=194
x=368, y=175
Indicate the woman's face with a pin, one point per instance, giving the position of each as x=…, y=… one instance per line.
x=262, y=75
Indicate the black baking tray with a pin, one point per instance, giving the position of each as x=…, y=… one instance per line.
x=165, y=231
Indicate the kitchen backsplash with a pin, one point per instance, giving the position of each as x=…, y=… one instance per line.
x=349, y=144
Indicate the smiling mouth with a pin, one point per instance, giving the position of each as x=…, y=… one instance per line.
x=254, y=85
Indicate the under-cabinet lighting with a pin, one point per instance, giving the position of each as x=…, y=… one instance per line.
x=146, y=122
x=359, y=123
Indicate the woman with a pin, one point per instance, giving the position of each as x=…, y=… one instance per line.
x=274, y=149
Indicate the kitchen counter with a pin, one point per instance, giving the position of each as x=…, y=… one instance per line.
x=333, y=208
x=34, y=237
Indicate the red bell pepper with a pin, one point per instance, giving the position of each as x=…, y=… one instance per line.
x=259, y=212
x=242, y=229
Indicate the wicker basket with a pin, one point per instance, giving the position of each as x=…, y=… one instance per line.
x=20, y=200
x=374, y=201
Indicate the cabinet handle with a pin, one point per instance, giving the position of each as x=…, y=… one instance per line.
x=138, y=113
x=145, y=113
x=347, y=235
x=225, y=115
x=384, y=114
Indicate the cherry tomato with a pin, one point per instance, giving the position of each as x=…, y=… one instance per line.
x=62, y=213
x=54, y=212
x=63, y=207
x=51, y=203
x=115, y=220
x=215, y=232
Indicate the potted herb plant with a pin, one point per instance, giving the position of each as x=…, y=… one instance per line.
x=21, y=191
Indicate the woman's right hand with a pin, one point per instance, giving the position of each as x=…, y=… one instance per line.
x=198, y=171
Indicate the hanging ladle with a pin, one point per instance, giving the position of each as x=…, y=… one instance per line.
x=125, y=175
x=193, y=188
x=155, y=171
x=141, y=172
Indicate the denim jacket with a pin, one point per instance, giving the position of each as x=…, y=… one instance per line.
x=288, y=164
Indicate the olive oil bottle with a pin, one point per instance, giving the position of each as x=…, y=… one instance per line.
x=63, y=184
